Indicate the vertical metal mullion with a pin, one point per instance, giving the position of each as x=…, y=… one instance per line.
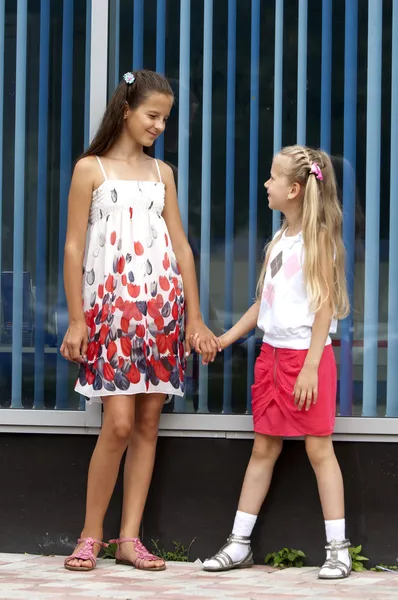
x=206, y=187
x=138, y=35
x=160, y=59
x=183, y=128
x=302, y=73
x=183, y=110
x=114, y=46
x=2, y=43
x=326, y=75
x=372, y=235
x=89, y=9
x=229, y=201
x=87, y=65
x=98, y=100
x=19, y=204
x=349, y=198
x=41, y=221
x=65, y=175
x=253, y=180
x=98, y=63
x=392, y=352
x=278, y=96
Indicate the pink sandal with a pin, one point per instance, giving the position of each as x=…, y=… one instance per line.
x=142, y=555
x=85, y=553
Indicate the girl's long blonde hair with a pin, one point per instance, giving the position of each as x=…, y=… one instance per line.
x=321, y=215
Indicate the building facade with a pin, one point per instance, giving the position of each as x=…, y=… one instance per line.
x=248, y=77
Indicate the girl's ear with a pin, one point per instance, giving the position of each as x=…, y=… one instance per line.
x=295, y=190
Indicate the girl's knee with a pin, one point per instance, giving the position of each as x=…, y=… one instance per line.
x=148, y=417
x=319, y=449
x=267, y=447
x=147, y=428
x=118, y=429
x=118, y=421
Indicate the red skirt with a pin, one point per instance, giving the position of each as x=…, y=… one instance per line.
x=274, y=412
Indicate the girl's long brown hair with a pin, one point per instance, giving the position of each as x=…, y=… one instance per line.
x=321, y=215
x=134, y=94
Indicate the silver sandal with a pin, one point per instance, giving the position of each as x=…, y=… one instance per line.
x=225, y=561
x=333, y=563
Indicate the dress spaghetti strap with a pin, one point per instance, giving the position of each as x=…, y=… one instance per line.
x=157, y=166
x=102, y=167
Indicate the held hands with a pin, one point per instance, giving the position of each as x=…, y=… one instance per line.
x=197, y=335
x=202, y=340
x=74, y=345
x=306, y=387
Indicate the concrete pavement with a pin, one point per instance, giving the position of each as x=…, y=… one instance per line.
x=28, y=577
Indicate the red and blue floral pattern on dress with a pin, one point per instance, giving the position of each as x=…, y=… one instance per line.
x=133, y=295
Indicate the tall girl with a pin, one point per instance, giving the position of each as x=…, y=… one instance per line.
x=300, y=296
x=129, y=334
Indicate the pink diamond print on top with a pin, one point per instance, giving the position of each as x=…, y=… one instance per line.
x=269, y=294
x=291, y=266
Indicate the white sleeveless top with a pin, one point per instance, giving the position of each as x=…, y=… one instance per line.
x=285, y=316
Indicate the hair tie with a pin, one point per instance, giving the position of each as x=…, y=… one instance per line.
x=315, y=170
x=129, y=78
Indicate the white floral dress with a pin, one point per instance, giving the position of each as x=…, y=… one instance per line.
x=133, y=295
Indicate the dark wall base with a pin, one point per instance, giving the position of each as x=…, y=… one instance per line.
x=194, y=494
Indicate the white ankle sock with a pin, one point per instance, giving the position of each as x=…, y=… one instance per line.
x=335, y=530
x=244, y=523
x=243, y=526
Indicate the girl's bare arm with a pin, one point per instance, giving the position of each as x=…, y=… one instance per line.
x=184, y=256
x=74, y=345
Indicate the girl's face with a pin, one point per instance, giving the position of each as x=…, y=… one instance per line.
x=281, y=192
x=148, y=121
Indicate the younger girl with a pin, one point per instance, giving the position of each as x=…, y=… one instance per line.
x=301, y=294
x=125, y=233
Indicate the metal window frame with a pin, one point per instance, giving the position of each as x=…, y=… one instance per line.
x=176, y=425
x=16, y=420
x=88, y=420
x=98, y=63
x=351, y=429
x=244, y=423
x=236, y=427
x=241, y=427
